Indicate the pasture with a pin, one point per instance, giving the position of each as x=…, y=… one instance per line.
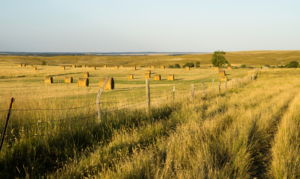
x=249, y=130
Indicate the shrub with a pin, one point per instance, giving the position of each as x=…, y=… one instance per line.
x=197, y=64
x=292, y=64
x=189, y=64
x=243, y=66
x=171, y=66
x=177, y=66
x=44, y=63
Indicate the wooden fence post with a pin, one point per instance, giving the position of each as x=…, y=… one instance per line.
x=6, y=123
x=203, y=87
x=213, y=85
x=219, y=86
x=192, y=91
x=226, y=86
x=148, y=96
x=173, y=93
x=98, y=98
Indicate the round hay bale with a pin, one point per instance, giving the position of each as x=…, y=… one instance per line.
x=223, y=78
x=148, y=71
x=23, y=65
x=73, y=66
x=30, y=65
x=222, y=73
x=68, y=79
x=133, y=68
x=83, y=66
x=162, y=67
x=93, y=68
x=157, y=77
x=152, y=67
x=104, y=66
x=48, y=79
x=121, y=66
x=20, y=65
x=187, y=68
x=216, y=68
x=110, y=85
x=83, y=82
x=86, y=74
x=34, y=68
x=229, y=68
x=147, y=75
x=116, y=67
x=170, y=77
x=130, y=76
x=62, y=67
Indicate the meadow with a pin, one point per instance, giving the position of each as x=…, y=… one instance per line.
x=249, y=130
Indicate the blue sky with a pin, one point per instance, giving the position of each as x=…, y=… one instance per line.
x=140, y=25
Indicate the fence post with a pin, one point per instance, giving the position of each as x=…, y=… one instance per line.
x=213, y=85
x=219, y=86
x=148, y=95
x=173, y=93
x=6, y=123
x=203, y=87
x=192, y=91
x=98, y=98
x=225, y=85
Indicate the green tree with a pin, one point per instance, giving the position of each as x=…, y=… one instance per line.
x=218, y=59
x=177, y=65
x=292, y=64
x=197, y=64
x=171, y=66
x=189, y=64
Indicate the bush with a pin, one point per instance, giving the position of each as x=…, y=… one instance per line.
x=189, y=64
x=171, y=66
x=292, y=64
x=197, y=64
x=267, y=66
x=44, y=63
x=177, y=66
x=298, y=66
x=243, y=66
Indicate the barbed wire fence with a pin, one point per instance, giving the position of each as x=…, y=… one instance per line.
x=46, y=120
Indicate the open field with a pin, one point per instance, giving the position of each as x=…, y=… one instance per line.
x=250, y=130
x=252, y=58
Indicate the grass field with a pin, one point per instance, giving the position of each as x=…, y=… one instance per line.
x=249, y=131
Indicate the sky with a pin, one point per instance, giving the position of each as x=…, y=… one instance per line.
x=149, y=25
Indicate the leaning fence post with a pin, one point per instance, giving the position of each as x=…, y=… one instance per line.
x=213, y=85
x=98, y=98
x=173, y=93
x=219, y=86
x=6, y=123
x=225, y=85
x=203, y=87
x=192, y=91
x=147, y=96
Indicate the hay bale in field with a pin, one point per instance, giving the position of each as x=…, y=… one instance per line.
x=34, y=68
x=170, y=77
x=216, y=68
x=148, y=71
x=109, y=85
x=121, y=66
x=23, y=65
x=116, y=67
x=162, y=67
x=93, y=68
x=30, y=65
x=157, y=77
x=62, y=67
x=222, y=73
x=20, y=65
x=48, y=79
x=73, y=66
x=223, y=78
x=83, y=66
x=104, y=66
x=152, y=67
x=133, y=68
x=229, y=68
x=187, y=68
x=130, y=76
x=86, y=74
x=147, y=75
x=68, y=79
x=83, y=82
